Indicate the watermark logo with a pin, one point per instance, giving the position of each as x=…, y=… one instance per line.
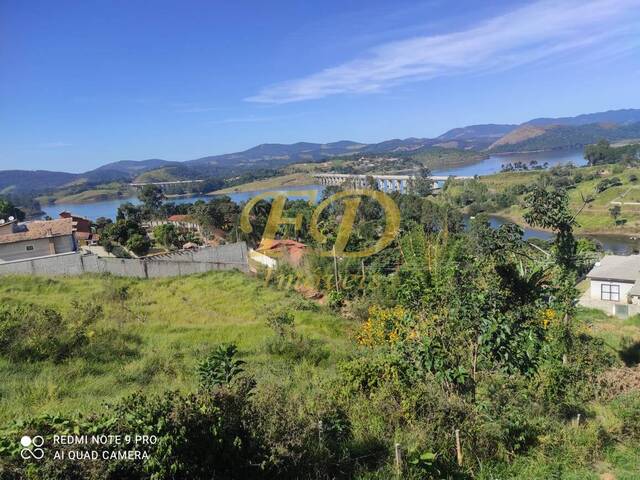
x=32, y=447
x=351, y=200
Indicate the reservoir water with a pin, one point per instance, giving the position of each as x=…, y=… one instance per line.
x=494, y=163
x=108, y=209
x=617, y=244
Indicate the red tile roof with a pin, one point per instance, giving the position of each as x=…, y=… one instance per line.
x=291, y=249
x=180, y=218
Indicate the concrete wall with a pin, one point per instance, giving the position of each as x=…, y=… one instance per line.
x=262, y=259
x=596, y=289
x=225, y=257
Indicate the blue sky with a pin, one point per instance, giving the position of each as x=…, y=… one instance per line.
x=83, y=83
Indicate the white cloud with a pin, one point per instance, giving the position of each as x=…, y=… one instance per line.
x=532, y=33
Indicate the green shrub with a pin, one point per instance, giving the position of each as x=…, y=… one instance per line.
x=220, y=367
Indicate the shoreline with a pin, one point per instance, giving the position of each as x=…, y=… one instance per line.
x=577, y=232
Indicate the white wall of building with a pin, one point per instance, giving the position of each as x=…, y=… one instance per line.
x=40, y=247
x=596, y=289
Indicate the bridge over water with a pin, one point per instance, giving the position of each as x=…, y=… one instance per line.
x=386, y=183
x=166, y=184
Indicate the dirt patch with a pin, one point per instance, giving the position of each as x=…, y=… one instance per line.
x=617, y=381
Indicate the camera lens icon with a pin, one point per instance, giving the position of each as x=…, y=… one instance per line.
x=27, y=442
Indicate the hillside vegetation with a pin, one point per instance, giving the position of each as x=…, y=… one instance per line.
x=596, y=217
x=533, y=138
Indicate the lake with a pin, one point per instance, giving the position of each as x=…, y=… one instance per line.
x=616, y=244
x=108, y=209
x=494, y=163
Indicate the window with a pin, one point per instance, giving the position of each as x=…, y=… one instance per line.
x=609, y=291
x=29, y=248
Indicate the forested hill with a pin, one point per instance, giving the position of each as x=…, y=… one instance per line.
x=534, y=138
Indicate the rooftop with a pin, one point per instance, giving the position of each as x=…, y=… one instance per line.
x=617, y=267
x=180, y=218
x=40, y=229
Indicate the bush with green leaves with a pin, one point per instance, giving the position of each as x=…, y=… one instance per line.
x=221, y=367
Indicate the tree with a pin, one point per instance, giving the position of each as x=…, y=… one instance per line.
x=167, y=235
x=550, y=209
x=615, y=212
x=128, y=211
x=598, y=153
x=122, y=230
x=8, y=209
x=151, y=197
x=422, y=184
x=139, y=244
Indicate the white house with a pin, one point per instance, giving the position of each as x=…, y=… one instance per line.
x=615, y=280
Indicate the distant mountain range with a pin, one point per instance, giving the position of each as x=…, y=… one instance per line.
x=536, y=134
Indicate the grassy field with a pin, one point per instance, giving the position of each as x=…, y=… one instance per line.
x=161, y=331
x=290, y=180
x=595, y=218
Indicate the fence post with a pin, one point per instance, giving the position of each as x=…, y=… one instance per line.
x=458, y=448
x=398, y=451
x=320, y=431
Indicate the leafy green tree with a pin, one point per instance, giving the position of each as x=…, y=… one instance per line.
x=421, y=184
x=549, y=208
x=122, y=230
x=8, y=209
x=128, y=211
x=599, y=153
x=139, y=244
x=615, y=212
x=167, y=235
x=151, y=197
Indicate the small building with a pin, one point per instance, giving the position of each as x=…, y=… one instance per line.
x=286, y=250
x=615, y=285
x=184, y=221
x=20, y=241
x=81, y=229
x=80, y=224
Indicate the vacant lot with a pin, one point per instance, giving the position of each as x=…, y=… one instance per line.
x=158, y=331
